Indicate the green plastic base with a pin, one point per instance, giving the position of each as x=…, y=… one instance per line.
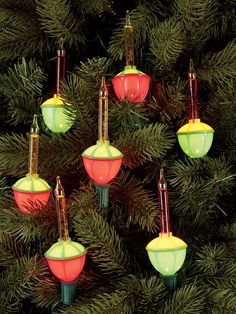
x=68, y=290
x=103, y=192
x=169, y=281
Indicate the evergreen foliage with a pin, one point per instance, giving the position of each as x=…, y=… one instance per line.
x=21, y=87
x=118, y=276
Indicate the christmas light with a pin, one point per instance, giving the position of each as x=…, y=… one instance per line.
x=166, y=252
x=65, y=258
x=130, y=84
x=102, y=161
x=195, y=138
x=32, y=192
x=54, y=110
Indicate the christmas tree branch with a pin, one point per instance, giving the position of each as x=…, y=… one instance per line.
x=20, y=31
x=95, y=7
x=167, y=42
x=106, y=249
x=58, y=20
x=116, y=302
x=138, y=203
x=193, y=14
x=220, y=67
x=145, y=144
x=200, y=185
x=187, y=299
x=22, y=87
x=27, y=228
x=17, y=282
x=152, y=294
x=124, y=117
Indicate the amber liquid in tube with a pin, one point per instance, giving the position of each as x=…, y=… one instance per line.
x=34, y=147
x=103, y=112
x=61, y=211
x=62, y=218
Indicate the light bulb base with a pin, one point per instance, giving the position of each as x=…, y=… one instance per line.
x=103, y=192
x=68, y=291
x=169, y=281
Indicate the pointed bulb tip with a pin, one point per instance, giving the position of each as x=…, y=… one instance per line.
x=128, y=23
x=161, y=172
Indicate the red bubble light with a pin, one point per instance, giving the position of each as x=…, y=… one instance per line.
x=65, y=258
x=32, y=192
x=130, y=84
x=102, y=161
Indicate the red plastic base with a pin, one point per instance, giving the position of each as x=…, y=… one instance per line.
x=31, y=200
x=67, y=270
x=133, y=87
x=102, y=171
